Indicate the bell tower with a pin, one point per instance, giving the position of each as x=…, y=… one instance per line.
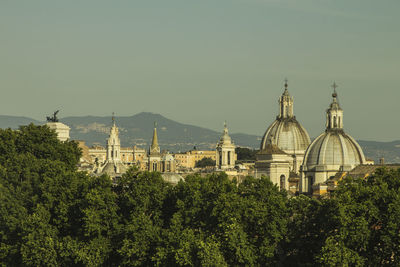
x=225, y=151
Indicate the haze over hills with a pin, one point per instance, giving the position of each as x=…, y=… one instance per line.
x=174, y=136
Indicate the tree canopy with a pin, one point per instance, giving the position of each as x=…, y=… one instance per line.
x=205, y=162
x=51, y=214
x=244, y=153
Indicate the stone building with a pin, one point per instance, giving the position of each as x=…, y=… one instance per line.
x=225, y=152
x=61, y=130
x=331, y=153
x=188, y=159
x=283, y=147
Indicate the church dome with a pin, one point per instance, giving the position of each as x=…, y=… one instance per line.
x=334, y=149
x=286, y=132
x=225, y=138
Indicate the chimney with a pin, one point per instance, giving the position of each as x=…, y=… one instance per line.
x=382, y=161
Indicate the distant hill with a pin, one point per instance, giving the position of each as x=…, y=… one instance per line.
x=390, y=151
x=174, y=136
x=14, y=122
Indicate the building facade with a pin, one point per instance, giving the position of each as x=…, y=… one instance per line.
x=188, y=159
x=61, y=130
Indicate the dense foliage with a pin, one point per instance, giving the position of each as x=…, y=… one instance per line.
x=53, y=215
x=205, y=162
x=245, y=154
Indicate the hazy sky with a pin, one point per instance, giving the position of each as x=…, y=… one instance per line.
x=206, y=61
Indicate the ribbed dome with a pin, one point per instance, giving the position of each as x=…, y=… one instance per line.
x=334, y=148
x=287, y=134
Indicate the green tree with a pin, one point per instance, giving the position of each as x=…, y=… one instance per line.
x=244, y=153
x=369, y=229
x=358, y=226
x=205, y=162
x=247, y=221
x=51, y=214
x=141, y=197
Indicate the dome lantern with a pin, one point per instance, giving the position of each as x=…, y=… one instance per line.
x=286, y=103
x=334, y=114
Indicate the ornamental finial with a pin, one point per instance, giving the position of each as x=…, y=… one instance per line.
x=334, y=86
x=286, y=83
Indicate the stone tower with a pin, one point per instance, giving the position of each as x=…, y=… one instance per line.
x=226, y=156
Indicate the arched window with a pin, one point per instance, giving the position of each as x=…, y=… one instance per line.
x=334, y=122
x=283, y=182
x=229, y=158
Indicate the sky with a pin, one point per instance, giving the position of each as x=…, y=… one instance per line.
x=202, y=62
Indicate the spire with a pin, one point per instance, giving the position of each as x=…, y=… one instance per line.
x=225, y=129
x=335, y=103
x=334, y=114
x=113, y=118
x=286, y=104
x=154, y=148
x=334, y=86
x=286, y=85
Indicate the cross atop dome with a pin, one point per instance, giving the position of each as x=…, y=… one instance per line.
x=334, y=86
x=286, y=83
